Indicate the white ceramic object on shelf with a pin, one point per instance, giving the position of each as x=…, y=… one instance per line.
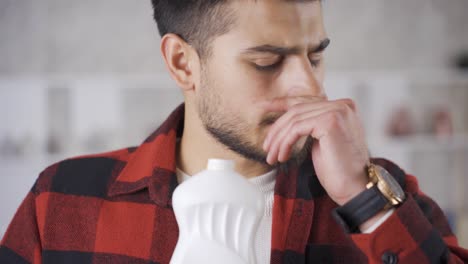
x=218, y=212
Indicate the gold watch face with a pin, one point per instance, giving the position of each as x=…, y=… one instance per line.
x=391, y=184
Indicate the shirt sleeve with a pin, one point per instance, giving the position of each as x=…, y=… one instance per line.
x=379, y=222
x=415, y=232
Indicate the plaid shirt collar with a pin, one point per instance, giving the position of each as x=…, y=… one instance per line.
x=152, y=165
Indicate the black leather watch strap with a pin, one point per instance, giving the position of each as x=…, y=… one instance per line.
x=362, y=207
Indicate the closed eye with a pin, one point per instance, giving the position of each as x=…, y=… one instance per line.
x=315, y=62
x=315, y=59
x=268, y=67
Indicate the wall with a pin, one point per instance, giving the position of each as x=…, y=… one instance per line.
x=118, y=36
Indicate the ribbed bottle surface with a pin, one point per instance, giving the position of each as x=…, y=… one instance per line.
x=218, y=213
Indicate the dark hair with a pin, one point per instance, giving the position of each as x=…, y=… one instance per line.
x=195, y=21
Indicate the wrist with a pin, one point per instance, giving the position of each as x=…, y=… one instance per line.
x=363, y=210
x=352, y=191
x=343, y=200
x=381, y=193
x=372, y=221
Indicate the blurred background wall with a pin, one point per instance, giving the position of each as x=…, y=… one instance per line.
x=86, y=76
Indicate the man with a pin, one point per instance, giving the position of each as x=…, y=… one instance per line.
x=252, y=76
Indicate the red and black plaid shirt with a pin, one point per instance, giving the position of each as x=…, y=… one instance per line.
x=116, y=208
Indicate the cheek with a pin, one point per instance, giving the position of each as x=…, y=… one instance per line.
x=243, y=87
x=258, y=86
x=243, y=91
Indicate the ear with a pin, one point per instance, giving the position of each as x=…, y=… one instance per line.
x=181, y=60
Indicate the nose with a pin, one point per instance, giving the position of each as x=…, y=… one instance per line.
x=300, y=78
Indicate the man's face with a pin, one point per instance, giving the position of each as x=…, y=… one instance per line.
x=273, y=51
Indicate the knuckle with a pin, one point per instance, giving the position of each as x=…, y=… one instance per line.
x=351, y=104
x=334, y=118
x=343, y=109
x=298, y=127
x=289, y=141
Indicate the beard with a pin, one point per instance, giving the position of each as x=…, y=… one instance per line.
x=228, y=128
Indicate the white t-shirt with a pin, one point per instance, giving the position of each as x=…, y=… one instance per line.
x=266, y=185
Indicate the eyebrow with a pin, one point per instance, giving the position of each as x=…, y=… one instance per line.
x=284, y=51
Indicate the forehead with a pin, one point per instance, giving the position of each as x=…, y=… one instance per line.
x=278, y=22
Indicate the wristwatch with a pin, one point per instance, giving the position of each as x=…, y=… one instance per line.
x=382, y=193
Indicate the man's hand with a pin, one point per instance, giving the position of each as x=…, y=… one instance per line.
x=339, y=151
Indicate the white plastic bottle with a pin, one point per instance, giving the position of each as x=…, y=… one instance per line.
x=218, y=213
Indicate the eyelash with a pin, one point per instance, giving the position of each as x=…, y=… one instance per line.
x=270, y=67
x=274, y=66
x=315, y=63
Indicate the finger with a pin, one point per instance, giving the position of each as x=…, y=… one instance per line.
x=316, y=125
x=281, y=127
x=283, y=104
x=341, y=104
x=348, y=102
x=277, y=142
x=284, y=120
x=287, y=146
x=309, y=127
x=302, y=111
